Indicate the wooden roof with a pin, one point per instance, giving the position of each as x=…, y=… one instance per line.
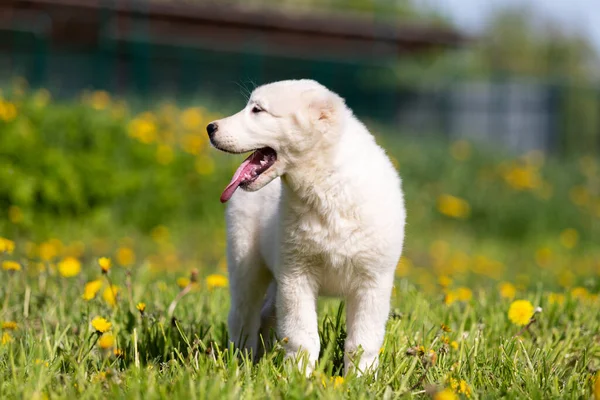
x=224, y=27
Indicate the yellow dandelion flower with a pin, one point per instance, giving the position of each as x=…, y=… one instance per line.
x=69, y=267
x=47, y=251
x=445, y=394
x=580, y=293
x=404, y=267
x=522, y=178
x=141, y=307
x=6, y=246
x=99, y=377
x=453, y=206
x=183, y=282
x=105, y=264
x=9, y=325
x=101, y=325
x=464, y=294
x=556, y=298
x=444, y=281
x=8, y=111
x=39, y=361
x=338, y=381
x=446, y=328
x=192, y=144
x=453, y=383
x=143, y=128
x=118, y=353
x=454, y=344
x=216, y=281
x=569, y=238
x=99, y=100
x=110, y=295
x=520, y=312
x=464, y=388
x=450, y=297
x=125, y=256
x=11, y=266
x=6, y=338
x=106, y=341
x=192, y=118
x=507, y=290
x=91, y=289
x=335, y=381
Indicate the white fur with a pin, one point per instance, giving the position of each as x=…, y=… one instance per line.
x=328, y=220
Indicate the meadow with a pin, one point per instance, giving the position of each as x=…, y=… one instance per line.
x=114, y=280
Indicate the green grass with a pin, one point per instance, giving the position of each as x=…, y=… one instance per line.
x=76, y=180
x=188, y=357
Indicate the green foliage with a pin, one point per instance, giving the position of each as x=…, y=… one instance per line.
x=79, y=171
x=519, y=42
x=89, y=180
x=71, y=161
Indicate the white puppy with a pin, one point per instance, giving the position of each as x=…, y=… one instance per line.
x=328, y=220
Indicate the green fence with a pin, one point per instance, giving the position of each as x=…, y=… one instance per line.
x=563, y=118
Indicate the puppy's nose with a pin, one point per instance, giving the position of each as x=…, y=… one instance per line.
x=211, y=129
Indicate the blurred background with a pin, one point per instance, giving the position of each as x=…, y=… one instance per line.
x=490, y=110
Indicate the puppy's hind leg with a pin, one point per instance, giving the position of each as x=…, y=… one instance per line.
x=248, y=279
x=268, y=319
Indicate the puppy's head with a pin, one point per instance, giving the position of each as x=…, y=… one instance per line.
x=283, y=124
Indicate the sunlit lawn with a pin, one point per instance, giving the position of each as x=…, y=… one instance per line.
x=470, y=346
x=114, y=214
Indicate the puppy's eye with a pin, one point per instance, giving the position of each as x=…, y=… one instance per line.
x=257, y=109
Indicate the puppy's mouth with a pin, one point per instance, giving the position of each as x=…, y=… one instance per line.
x=249, y=171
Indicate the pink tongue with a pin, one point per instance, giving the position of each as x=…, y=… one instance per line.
x=237, y=179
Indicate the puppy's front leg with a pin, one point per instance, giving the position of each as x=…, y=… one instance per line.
x=366, y=314
x=297, y=317
x=248, y=284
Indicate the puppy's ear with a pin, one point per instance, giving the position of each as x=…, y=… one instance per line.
x=324, y=106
